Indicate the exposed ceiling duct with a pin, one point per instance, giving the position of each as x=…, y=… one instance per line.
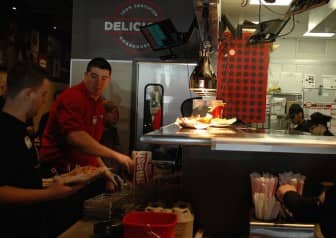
x=213, y=19
x=322, y=19
x=268, y=31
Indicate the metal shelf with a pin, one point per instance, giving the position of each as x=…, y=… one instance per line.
x=281, y=230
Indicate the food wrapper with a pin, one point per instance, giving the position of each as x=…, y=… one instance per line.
x=143, y=171
x=194, y=122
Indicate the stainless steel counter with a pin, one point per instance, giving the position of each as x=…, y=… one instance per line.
x=84, y=229
x=243, y=139
x=216, y=164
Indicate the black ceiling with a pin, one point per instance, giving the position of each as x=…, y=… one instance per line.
x=42, y=14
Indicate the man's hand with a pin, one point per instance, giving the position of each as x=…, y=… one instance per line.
x=110, y=187
x=126, y=161
x=58, y=190
x=113, y=182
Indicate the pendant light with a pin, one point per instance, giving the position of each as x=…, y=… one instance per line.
x=203, y=80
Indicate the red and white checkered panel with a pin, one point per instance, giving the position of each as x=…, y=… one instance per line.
x=242, y=78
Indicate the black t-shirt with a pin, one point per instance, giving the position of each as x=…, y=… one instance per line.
x=19, y=168
x=2, y=102
x=303, y=126
x=328, y=214
x=311, y=209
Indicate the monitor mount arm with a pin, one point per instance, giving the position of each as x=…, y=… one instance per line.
x=184, y=36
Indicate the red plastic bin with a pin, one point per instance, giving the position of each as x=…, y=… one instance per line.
x=149, y=225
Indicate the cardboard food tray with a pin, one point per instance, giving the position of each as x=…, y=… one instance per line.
x=69, y=179
x=82, y=178
x=190, y=123
x=222, y=122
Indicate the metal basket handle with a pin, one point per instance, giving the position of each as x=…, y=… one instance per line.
x=151, y=233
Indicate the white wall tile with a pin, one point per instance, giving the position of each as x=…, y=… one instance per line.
x=274, y=74
x=311, y=56
x=286, y=48
x=310, y=47
x=288, y=67
x=331, y=49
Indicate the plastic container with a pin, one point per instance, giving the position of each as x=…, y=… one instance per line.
x=185, y=222
x=155, y=207
x=149, y=225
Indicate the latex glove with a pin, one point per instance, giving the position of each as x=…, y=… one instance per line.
x=113, y=182
x=283, y=189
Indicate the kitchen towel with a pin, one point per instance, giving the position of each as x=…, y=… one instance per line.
x=242, y=78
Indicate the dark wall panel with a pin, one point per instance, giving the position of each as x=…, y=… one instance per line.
x=111, y=28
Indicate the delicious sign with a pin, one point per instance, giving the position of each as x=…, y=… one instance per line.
x=112, y=28
x=124, y=27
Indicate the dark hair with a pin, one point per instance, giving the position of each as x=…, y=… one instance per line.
x=319, y=118
x=23, y=76
x=294, y=109
x=57, y=93
x=99, y=62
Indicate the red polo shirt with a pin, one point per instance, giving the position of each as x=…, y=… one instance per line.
x=73, y=110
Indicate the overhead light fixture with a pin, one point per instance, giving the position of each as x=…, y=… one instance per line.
x=311, y=34
x=271, y=3
x=203, y=80
x=14, y=8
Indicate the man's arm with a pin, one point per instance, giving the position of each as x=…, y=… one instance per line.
x=87, y=144
x=303, y=208
x=15, y=195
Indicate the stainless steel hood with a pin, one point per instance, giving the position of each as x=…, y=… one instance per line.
x=322, y=19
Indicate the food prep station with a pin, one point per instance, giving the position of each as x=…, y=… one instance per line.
x=216, y=163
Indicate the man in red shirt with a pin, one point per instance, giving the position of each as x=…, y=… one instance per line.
x=75, y=125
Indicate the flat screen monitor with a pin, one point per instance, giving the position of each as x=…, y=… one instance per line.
x=162, y=35
x=268, y=31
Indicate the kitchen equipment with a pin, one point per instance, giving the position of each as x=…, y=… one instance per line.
x=203, y=80
x=173, y=80
x=185, y=222
x=103, y=206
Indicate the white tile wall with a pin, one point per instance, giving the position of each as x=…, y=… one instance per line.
x=286, y=49
x=310, y=48
x=331, y=48
x=306, y=56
